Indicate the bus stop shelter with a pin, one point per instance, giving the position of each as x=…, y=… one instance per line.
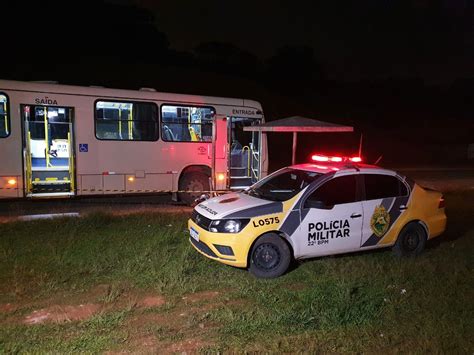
x=297, y=124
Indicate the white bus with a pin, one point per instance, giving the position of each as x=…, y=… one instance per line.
x=63, y=141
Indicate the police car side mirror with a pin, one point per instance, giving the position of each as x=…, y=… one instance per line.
x=200, y=199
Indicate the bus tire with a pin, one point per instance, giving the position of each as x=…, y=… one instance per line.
x=411, y=240
x=270, y=256
x=195, y=182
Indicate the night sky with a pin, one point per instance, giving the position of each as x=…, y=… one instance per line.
x=354, y=39
x=432, y=40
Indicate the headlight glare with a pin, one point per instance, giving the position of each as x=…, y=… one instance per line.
x=232, y=226
x=214, y=227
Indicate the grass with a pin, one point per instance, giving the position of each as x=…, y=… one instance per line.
x=363, y=302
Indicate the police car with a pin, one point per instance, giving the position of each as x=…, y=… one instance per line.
x=332, y=205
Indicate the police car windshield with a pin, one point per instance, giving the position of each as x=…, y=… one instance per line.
x=283, y=184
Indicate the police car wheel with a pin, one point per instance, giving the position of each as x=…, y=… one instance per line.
x=194, y=182
x=411, y=240
x=270, y=257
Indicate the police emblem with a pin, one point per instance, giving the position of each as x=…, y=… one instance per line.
x=380, y=221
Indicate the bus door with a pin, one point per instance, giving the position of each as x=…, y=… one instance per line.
x=244, y=159
x=48, y=150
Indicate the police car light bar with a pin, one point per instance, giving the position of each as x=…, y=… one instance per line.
x=335, y=159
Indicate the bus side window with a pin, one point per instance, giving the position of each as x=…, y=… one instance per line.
x=186, y=123
x=4, y=117
x=128, y=121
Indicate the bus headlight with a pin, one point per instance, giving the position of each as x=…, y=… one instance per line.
x=228, y=225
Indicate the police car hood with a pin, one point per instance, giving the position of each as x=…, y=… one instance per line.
x=237, y=205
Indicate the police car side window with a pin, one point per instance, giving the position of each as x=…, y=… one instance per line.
x=336, y=191
x=383, y=186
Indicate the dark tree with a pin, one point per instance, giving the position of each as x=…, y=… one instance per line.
x=294, y=69
x=227, y=58
x=74, y=43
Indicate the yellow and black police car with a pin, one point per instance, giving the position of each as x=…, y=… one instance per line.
x=334, y=205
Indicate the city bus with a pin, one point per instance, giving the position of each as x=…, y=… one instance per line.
x=64, y=141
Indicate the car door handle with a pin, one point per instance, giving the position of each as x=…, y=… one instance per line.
x=356, y=215
x=402, y=207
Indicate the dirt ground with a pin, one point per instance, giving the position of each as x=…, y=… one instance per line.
x=152, y=315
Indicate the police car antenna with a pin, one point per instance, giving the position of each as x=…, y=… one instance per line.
x=378, y=160
x=353, y=166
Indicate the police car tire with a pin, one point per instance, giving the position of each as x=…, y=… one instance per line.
x=274, y=246
x=411, y=240
x=191, y=181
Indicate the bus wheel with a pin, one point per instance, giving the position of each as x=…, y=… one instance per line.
x=270, y=256
x=411, y=240
x=195, y=183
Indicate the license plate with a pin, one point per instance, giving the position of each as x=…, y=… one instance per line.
x=194, y=233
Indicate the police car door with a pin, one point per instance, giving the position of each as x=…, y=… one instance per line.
x=386, y=199
x=331, y=218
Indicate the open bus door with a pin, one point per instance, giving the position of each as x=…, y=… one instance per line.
x=218, y=153
x=48, y=150
x=245, y=153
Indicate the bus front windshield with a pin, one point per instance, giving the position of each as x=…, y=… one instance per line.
x=283, y=184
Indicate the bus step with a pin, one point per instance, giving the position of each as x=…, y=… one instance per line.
x=240, y=182
x=51, y=168
x=51, y=182
x=49, y=175
x=51, y=188
x=238, y=172
x=51, y=194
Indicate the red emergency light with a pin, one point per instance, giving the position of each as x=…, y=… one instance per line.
x=335, y=159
